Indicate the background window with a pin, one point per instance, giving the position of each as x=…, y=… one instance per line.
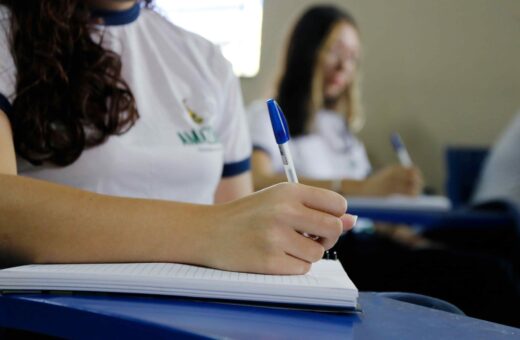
x=234, y=25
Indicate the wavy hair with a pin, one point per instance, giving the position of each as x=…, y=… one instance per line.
x=69, y=91
x=299, y=90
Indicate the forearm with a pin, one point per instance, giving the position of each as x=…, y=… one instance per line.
x=47, y=223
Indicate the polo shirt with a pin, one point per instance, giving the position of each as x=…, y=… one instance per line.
x=192, y=129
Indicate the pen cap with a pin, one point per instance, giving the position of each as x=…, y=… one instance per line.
x=280, y=129
x=396, y=141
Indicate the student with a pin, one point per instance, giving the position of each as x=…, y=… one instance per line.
x=500, y=179
x=318, y=95
x=318, y=92
x=118, y=132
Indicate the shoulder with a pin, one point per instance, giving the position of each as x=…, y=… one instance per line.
x=510, y=137
x=257, y=113
x=256, y=106
x=189, y=42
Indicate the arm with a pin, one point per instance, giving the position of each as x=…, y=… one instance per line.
x=41, y=222
x=231, y=188
x=264, y=176
x=7, y=156
x=390, y=180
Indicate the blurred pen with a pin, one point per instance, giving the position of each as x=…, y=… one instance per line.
x=400, y=150
x=281, y=134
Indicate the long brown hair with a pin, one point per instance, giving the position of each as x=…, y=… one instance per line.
x=299, y=91
x=69, y=92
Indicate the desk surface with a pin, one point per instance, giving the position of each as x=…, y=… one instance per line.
x=103, y=316
x=432, y=218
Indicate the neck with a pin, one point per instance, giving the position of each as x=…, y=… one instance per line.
x=331, y=103
x=114, y=5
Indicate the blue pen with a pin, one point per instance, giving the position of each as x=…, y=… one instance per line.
x=400, y=149
x=281, y=134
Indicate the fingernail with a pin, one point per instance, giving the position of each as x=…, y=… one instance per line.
x=355, y=217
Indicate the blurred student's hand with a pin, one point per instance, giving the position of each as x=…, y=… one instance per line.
x=263, y=233
x=394, y=179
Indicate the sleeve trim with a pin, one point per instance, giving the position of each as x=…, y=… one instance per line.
x=236, y=168
x=5, y=105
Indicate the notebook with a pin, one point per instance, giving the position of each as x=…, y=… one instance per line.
x=434, y=202
x=325, y=287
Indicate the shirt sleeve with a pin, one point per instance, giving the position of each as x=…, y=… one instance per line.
x=7, y=68
x=232, y=127
x=500, y=177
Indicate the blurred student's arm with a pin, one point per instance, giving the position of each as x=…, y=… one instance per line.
x=394, y=179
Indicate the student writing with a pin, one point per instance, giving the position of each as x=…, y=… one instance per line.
x=319, y=93
x=118, y=132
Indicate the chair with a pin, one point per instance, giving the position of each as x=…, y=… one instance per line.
x=423, y=300
x=463, y=167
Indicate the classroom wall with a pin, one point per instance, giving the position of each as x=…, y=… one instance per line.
x=441, y=72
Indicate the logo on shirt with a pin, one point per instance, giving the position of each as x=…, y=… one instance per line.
x=195, y=117
x=202, y=135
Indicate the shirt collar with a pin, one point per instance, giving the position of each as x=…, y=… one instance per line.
x=115, y=18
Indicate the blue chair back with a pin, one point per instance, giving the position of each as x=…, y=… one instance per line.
x=463, y=167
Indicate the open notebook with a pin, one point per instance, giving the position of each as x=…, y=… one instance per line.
x=326, y=286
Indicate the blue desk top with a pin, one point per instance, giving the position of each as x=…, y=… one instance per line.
x=104, y=316
x=457, y=218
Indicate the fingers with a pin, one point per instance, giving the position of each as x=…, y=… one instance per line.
x=348, y=221
x=407, y=181
x=302, y=247
x=323, y=200
x=286, y=265
x=414, y=181
x=313, y=222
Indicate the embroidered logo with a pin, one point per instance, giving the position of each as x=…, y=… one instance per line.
x=195, y=117
x=202, y=135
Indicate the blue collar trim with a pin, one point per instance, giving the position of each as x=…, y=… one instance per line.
x=115, y=18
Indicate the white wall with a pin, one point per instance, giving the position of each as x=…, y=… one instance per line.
x=441, y=72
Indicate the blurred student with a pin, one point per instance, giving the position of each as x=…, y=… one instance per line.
x=500, y=179
x=318, y=91
x=118, y=132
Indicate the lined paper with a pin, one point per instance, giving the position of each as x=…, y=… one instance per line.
x=326, y=283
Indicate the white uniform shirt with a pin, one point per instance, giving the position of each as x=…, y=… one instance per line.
x=192, y=129
x=500, y=178
x=330, y=151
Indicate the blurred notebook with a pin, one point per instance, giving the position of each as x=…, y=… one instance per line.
x=326, y=287
x=437, y=203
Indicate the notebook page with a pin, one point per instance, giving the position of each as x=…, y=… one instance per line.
x=325, y=273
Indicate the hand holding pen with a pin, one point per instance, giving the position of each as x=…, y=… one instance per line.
x=282, y=136
x=404, y=179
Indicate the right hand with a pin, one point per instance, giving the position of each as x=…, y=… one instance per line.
x=263, y=232
x=394, y=179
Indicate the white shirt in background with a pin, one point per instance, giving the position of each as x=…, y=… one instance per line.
x=500, y=178
x=330, y=151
